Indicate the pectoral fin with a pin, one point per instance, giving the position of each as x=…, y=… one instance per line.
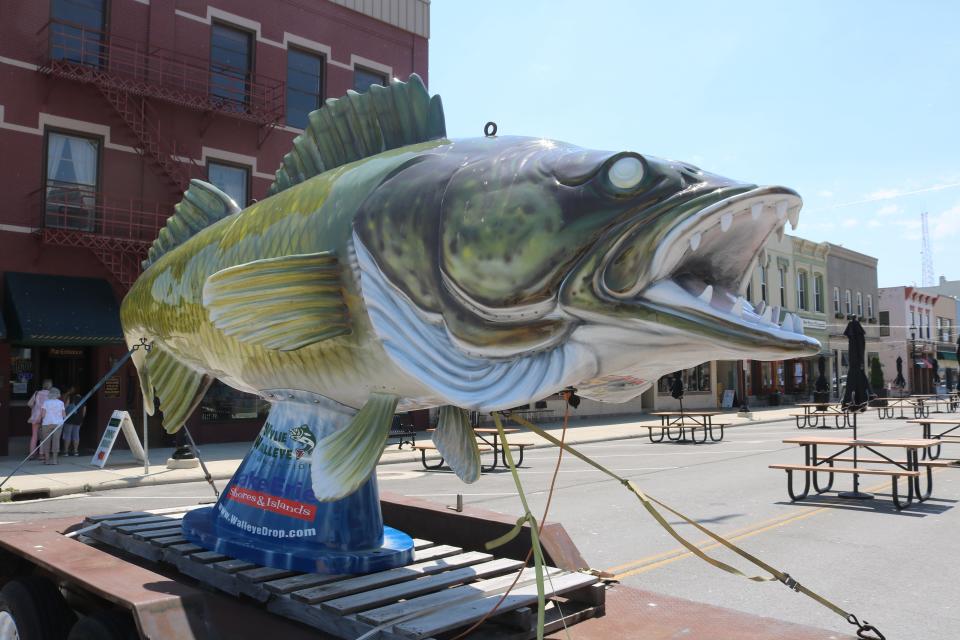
x=179, y=387
x=345, y=459
x=279, y=303
x=457, y=444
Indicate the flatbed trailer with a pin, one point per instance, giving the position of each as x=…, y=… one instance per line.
x=133, y=576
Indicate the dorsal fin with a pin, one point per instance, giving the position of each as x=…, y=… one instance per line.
x=202, y=205
x=361, y=125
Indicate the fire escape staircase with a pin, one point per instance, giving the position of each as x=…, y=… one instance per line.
x=129, y=77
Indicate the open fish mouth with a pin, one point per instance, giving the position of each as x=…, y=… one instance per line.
x=702, y=265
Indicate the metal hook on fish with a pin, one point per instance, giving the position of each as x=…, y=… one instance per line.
x=490, y=129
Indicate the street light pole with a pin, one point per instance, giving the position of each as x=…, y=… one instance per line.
x=913, y=359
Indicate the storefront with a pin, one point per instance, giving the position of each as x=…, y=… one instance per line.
x=65, y=330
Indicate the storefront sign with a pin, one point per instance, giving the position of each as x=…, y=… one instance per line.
x=120, y=420
x=65, y=352
x=727, y=401
x=809, y=323
x=111, y=388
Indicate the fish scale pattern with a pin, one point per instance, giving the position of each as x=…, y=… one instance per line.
x=358, y=126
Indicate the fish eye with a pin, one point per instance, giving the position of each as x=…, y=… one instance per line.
x=626, y=173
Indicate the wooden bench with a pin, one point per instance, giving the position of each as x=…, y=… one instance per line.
x=666, y=431
x=484, y=448
x=403, y=430
x=895, y=475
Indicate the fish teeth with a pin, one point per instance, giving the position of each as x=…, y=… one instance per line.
x=767, y=314
x=780, y=231
x=775, y=315
x=797, y=324
x=787, y=324
x=756, y=210
x=782, y=210
x=725, y=221
x=761, y=306
x=695, y=241
x=794, y=216
x=707, y=294
x=738, y=306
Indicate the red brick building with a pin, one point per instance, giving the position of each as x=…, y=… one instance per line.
x=107, y=109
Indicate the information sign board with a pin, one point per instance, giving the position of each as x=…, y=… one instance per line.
x=119, y=421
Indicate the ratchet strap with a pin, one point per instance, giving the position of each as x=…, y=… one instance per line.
x=865, y=630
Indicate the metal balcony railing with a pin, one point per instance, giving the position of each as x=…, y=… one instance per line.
x=77, y=52
x=69, y=207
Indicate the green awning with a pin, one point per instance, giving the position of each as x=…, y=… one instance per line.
x=46, y=310
x=946, y=355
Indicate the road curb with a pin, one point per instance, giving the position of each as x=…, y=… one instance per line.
x=132, y=482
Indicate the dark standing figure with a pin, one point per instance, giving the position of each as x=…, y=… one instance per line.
x=676, y=389
x=858, y=386
x=899, y=382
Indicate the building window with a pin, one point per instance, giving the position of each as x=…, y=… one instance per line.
x=869, y=306
x=859, y=304
x=913, y=321
x=763, y=283
x=783, y=286
x=802, y=290
x=363, y=78
x=940, y=328
x=884, y=323
x=836, y=300
x=77, y=32
x=750, y=291
x=928, y=325
x=71, y=188
x=848, y=302
x=695, y=380
x=222, y=403
x=231, y=62
x=233, y=180
x=818, y=293
x=304, y=86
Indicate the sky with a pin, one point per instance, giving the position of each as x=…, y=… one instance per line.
x=854, y=104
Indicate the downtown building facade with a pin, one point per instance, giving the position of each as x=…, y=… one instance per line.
x=109, y=108
x=919, y=327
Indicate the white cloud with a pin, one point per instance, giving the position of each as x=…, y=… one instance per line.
x=883, y=194
x=849, y=223
x=889, y=210
x=946, y=224
x=874, y=223
x=825, y=193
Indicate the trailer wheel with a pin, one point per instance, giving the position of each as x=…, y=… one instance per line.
x=32, y=608
x=105, y=625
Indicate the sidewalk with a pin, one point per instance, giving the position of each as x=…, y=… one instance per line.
x=77, y=475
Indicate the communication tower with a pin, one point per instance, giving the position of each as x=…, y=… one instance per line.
x=926, y=254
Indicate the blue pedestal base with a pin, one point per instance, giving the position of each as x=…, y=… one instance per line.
x=200, y=527
x=268, y=513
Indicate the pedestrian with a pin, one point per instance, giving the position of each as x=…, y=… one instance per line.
x=36, y=405
x=71, y=426
x=51, y=419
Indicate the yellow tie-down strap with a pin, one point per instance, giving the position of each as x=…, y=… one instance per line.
x=864, y=630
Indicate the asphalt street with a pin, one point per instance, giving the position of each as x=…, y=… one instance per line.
x=895, y=569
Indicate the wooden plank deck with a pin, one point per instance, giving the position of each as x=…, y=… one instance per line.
x=445, y=588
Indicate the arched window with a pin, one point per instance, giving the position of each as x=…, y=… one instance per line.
x=859, y=304
x=848, y=302
x=818, y=293
x=836, y=299
x=802, y=290
x=869, y=306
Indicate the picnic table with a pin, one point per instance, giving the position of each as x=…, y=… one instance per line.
x=945, y=434
x=687, y=423
x=816, y=414
x=488, y=439
x=920, y=404
x=909, y=469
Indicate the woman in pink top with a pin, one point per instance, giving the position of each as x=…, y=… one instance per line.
x=51, y=419
x=36, y=405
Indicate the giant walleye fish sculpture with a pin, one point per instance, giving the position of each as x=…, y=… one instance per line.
x=391, y=269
